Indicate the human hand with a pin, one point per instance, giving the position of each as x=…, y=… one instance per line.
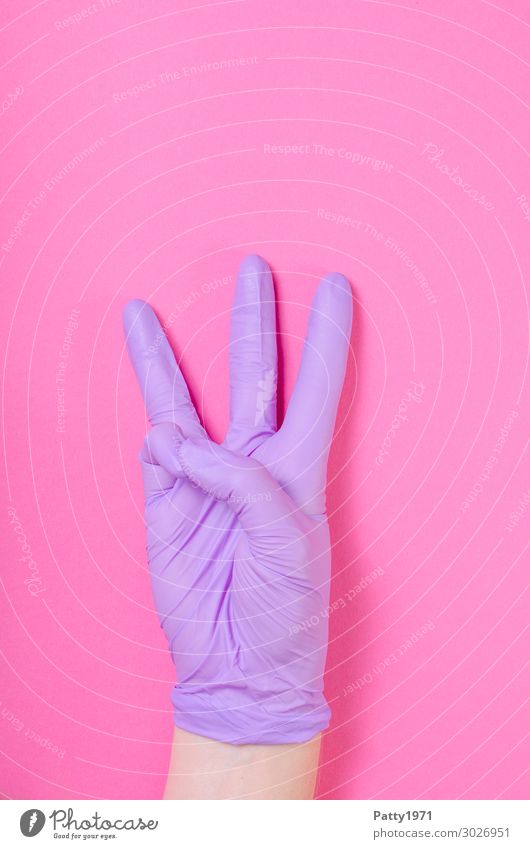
x=237, y=534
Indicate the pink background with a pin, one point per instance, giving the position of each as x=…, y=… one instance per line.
x=181, y=186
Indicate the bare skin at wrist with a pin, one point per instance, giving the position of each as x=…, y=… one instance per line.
x=201, y=768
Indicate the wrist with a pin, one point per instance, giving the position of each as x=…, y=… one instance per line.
x=202, y=768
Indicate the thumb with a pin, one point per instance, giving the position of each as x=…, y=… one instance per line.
x=266, y=513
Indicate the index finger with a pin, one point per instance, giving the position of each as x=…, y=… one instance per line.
x=307, y=430
x=313, y=404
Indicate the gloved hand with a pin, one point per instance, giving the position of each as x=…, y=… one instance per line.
x=237, y=536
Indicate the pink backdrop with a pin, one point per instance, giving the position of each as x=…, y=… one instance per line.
x=145, y=149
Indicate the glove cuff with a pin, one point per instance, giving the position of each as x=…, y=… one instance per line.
x=227, y=715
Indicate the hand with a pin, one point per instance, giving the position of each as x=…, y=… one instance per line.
x=237, y=535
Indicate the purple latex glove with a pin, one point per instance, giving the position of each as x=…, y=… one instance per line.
x=237, y=535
